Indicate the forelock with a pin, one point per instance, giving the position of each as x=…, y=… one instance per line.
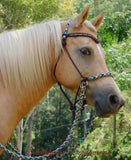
x=90, y=26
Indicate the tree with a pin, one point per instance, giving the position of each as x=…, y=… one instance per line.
x=66, y=8
x=20, y=13
x=117, y=7
x=29, y=140
x=19, y=132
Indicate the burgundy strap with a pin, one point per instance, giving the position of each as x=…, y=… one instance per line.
x=80, y=35
x=83, y=78
x=72, y=105
x=57, y=64
x=73, y=62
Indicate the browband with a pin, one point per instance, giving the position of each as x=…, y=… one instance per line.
x=66, y=35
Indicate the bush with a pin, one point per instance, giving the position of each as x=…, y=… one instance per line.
x=118, y=58
x=115, y=29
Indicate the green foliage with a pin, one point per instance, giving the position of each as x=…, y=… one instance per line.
x=112, y=8
x=115, y=29
x=20, y=13
x=118, y=58
x=81, y=4
x=12, y=11
x=117, y=7
x=66, y=8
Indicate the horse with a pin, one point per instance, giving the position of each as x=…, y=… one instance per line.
x=27, y=61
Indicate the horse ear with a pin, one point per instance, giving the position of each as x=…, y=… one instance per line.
x=80, y=19
x=97, y=20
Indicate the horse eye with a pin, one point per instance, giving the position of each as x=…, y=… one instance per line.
x=85, y=52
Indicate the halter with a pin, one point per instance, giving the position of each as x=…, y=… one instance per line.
x=84, y=80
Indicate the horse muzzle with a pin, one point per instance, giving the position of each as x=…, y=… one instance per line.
x=107, y=102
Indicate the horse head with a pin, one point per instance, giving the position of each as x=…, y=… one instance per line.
x=89, y=58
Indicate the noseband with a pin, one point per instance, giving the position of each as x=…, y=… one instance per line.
x=84, y=81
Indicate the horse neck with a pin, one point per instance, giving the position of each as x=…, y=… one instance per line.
x=14, y=107
x=29, y=97
x=16, y=103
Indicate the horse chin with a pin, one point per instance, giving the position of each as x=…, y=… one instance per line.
x=101, y=113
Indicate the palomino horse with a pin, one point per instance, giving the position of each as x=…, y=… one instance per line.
x=27, y=60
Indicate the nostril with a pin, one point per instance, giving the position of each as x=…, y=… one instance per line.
x=113, y=100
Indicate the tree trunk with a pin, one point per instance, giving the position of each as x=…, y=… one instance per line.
x=36, y=126
x=19, y=131
x=29, y=140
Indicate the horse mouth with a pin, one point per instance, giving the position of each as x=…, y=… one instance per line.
x=102, y=112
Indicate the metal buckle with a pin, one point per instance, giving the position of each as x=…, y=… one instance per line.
x=83, y=85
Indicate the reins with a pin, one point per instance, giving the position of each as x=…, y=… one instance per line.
x=76, y=107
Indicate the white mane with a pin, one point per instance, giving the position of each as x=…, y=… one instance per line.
x=25, y=53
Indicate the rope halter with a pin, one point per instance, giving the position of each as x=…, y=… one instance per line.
x=84, y=79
